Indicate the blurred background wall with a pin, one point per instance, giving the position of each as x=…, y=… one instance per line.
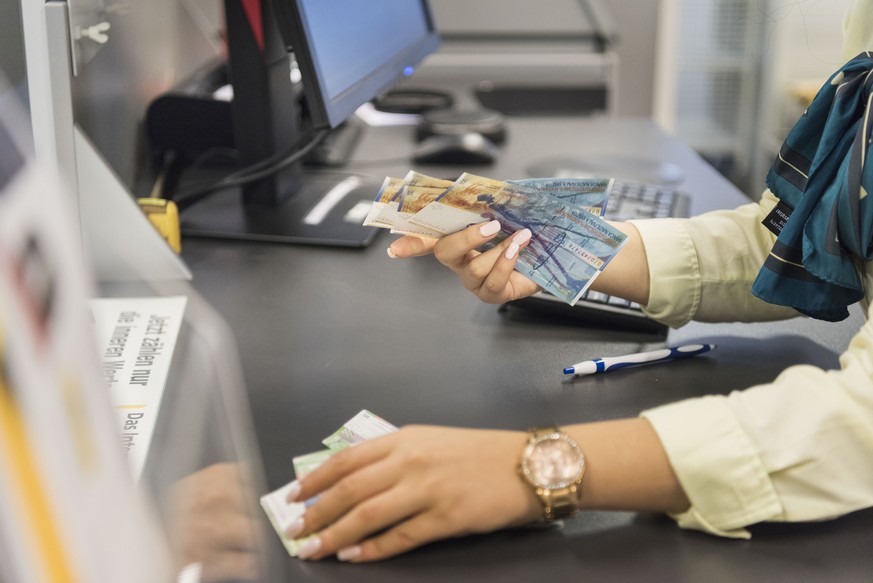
x=729, y=77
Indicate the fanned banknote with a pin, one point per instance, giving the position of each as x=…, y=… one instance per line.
x=384, y=208
x=467, y=201
x=400, y=198
x=365, y=425
x=413, y=199
x=414, y=178
x=590, y=194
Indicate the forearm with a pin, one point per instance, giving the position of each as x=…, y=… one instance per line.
x=627, y=468
x=702, y=268
x=627, y=275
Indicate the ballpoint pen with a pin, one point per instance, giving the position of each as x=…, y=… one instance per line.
x=609, y=363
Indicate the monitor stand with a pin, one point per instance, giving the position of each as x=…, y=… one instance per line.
x=323, y=211
x=289, y=205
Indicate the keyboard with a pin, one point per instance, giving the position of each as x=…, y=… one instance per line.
x=637, y=200
x=628, y=200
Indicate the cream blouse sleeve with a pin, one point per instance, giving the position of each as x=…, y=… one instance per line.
x=797, y=449
x=703, y=268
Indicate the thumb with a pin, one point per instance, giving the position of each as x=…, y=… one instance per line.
x=411, y=246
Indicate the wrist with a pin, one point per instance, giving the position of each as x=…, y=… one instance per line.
x=628, y=468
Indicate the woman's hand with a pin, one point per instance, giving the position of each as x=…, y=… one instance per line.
x=490, y=275
x=211, y=523
x=392, y=494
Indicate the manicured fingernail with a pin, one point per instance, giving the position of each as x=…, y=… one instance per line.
x=391, y=253
x=293, y=491
x=310, y=548
x=349, y=553
x=295, y=528
x=511, y=250
x=489, y=229
x=522, y=237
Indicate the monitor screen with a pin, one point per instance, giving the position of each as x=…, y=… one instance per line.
x=349, y=51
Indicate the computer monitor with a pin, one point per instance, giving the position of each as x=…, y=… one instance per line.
x=350, y=51
x=346, y=52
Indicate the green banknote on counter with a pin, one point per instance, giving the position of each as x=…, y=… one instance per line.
x=361, y=427
x=282, y=514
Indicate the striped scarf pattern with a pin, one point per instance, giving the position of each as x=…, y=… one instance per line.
x=824, y=219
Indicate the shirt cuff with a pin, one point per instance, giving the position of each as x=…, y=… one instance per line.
x=718, y=466
x=674, y=275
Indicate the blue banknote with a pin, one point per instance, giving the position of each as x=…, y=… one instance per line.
x=591, y=194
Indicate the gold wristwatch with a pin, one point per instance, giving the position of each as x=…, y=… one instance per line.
x=553, y=465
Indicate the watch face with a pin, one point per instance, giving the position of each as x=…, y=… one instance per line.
x=553, y=462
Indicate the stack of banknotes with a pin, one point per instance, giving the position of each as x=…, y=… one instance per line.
x=361, y=427
x=570, y=245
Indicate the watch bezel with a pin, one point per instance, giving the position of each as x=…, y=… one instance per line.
x=533, y=442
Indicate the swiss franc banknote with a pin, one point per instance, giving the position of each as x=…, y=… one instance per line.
x=400, y=198
x=591, y=194
x=384, y=208
x=361, y=427
x=365, y=425
x=413, y=198
x=282, y=515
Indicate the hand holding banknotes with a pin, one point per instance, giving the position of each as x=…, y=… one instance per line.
x=491, y=275
x=549, y=228
x=389, y=495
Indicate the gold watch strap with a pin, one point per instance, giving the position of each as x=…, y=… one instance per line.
x=561, y=503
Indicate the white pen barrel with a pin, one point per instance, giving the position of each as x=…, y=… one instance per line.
x=605, y=364
x=632, y=359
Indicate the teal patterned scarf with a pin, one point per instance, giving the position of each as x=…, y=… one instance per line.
x=824, y=219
